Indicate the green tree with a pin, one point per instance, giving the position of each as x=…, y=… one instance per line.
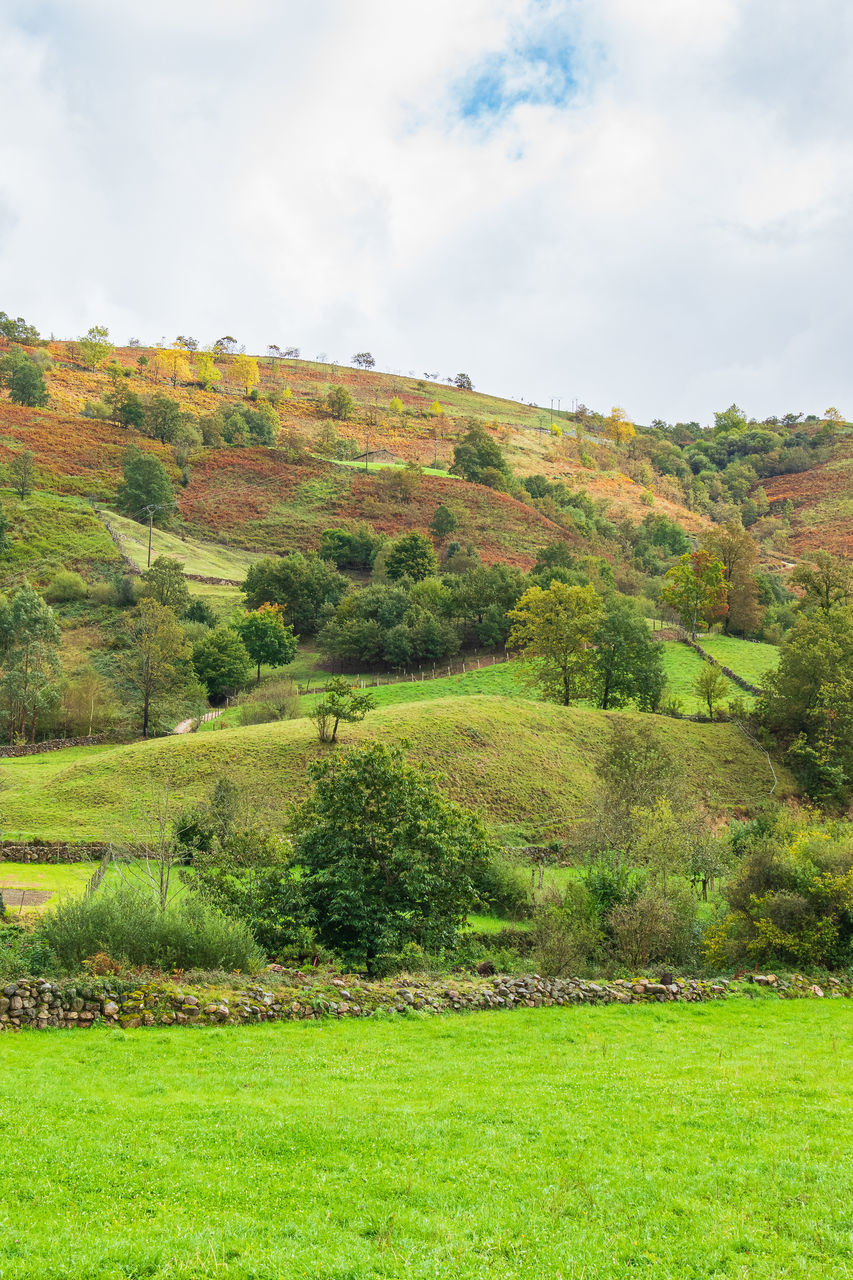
x=95, y=345
x=155, y=665
x=732, y=419
x=479, y=459
x=22, y=473
x=628, y=664
x=341, y=702
x=808, y=699
x=340, y=403
x=826, y=580
x=463, y=382
x=131, y=413
x=165, y=583
x=554, y=628
x=266, y=637
x=30, y=637
x=162, y=418
x=306, y=585
x=695, y=589
x=411, y=556
x=710, y=687
x=443, y=523
x=738, y=554
x=146, y=484
x=634, y=772
x=222, y=663
x=5, y=540
x=26, y=385
x=386, y=859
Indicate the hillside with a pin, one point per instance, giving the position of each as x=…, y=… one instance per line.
x=822, y=499
x=527, y=767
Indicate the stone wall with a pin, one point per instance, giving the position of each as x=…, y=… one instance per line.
x=51, y=744
x=38, y=1004
x=52, y=851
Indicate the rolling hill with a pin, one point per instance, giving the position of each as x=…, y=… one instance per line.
x=526, y=766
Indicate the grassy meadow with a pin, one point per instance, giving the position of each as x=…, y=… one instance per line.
x=527, y=767
x=657, y=1141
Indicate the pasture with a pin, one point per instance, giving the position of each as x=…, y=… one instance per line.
x=659, y=1141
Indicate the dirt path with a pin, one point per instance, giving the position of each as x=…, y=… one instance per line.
x=186, y=726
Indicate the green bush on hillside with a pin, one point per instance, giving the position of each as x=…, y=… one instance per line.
x=128, y=925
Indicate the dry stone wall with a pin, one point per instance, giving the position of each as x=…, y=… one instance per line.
x=38, y=1004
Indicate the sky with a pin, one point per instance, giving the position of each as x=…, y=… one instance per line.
x=646, y=203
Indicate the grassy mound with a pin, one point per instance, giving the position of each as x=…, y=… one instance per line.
x=526, y=766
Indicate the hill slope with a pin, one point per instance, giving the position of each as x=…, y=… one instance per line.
x=526, y=766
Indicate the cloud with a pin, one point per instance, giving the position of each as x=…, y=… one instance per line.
x=638, y=204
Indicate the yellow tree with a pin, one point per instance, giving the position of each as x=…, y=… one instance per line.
x=436, y=410
x=206, y=371
x=555, y=629
x=617, y=427
x=171, y=363
x=396, y=405
x=245, y=370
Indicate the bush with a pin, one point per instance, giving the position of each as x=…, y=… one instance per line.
x=567, y=937
x=127, y=924
x=501, y=886
x=653, y=929
x=64, y=587
x=102, y=593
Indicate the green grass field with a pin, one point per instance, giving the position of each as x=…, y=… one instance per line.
x=669, y=1142
x=750, y=660
x=49, y=532
x=209, y=559
x=526, y=766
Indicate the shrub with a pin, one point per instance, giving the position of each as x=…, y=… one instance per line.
x=102, y=593
x=65, y=586
x=653, y=929
x=567, y=936
x=501, y=886
x=128, y=925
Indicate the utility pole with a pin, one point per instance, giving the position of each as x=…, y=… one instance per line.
x=150, y=528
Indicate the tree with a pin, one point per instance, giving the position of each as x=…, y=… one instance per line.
x=26, y=385
x=95, y=345
x=826, y=581
x=340, y=403
x=617, y=427
x=363, y=360
x=30, y=638
x=173, y=364
x=443, y=523
x=146, y=485
x=246, y=372
x=463, y=382
x=411, y=556
x=635, y=770
x=808, y=699
x=155, y=665
x=628, y=664
x=165, y=583
x=162, y=418
x=225, y=346
x=695, y=589
x=5, y=540
x=555, y=630
x=206, y=371
x=22, y=473
x=222, y=663
x=738, y=554
x=266, y=637
x=436, y=409
x=729, y=420
x=132, y=412
x=185, y=343
x=305, y=585
x=18, y=330
x=710, y=687
x=396, y=405
x=386, y=859
x=341, y=701
x=479, y=459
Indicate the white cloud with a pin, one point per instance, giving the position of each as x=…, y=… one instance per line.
x=672, y=234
